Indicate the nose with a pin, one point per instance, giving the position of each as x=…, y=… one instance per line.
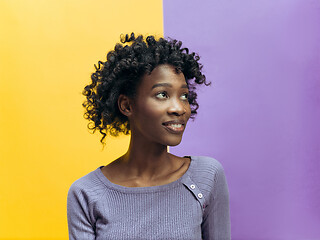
x=177, y=107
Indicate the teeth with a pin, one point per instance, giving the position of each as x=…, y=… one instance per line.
x=176, y=125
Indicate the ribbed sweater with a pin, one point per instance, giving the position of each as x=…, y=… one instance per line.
x=196, y=206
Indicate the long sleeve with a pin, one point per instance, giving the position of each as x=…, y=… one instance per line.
x=216, y=224
x=79, y=224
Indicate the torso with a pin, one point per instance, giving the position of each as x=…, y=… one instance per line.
x=169, y=211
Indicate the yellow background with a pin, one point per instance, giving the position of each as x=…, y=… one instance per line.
x=47, y=51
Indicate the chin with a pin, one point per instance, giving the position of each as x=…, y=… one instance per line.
x=173, y=143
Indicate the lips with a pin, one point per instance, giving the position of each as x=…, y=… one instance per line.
x=174, y=126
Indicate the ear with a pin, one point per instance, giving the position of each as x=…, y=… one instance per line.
x=124, y=104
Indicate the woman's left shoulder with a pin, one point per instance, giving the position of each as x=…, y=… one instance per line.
x=208, y=174
x=205, y=162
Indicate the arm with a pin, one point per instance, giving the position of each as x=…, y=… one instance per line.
x=79, y=224
x=216, y=224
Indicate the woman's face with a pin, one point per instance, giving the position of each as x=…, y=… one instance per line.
x=160, y=110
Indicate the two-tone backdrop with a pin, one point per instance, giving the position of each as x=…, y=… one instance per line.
x=259, y=118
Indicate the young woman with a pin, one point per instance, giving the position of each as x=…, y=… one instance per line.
x=147, y=88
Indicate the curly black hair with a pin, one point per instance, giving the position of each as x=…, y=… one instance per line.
x=120, y=74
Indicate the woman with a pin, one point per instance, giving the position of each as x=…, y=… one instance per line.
x=147, y=88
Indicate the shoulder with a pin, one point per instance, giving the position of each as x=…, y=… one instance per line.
x=206, y=165
x=207, y=173
x=89, y=187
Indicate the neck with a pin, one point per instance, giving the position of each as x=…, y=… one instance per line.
x=146, y=160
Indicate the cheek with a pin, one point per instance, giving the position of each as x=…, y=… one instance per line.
x=153, y=110
x=188, y=112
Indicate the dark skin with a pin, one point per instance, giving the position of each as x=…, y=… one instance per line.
x=158, y=115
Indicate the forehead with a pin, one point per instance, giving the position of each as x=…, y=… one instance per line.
x=163, y=74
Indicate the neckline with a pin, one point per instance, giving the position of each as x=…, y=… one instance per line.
x=157, y=188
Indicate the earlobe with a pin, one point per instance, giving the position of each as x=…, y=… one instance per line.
x=124, y=104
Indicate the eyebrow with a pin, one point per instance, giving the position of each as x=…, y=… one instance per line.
x=167, y=85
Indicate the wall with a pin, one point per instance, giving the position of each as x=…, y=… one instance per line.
x=260, y=118
x=48, y=49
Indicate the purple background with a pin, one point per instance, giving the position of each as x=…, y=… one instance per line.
x=260, y=118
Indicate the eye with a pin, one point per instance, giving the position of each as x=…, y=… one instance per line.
x=162, y=95
x=185, y=96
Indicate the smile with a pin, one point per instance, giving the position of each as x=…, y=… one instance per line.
x=174, y=127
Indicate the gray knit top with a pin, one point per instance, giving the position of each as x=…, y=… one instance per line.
x=196, y=206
